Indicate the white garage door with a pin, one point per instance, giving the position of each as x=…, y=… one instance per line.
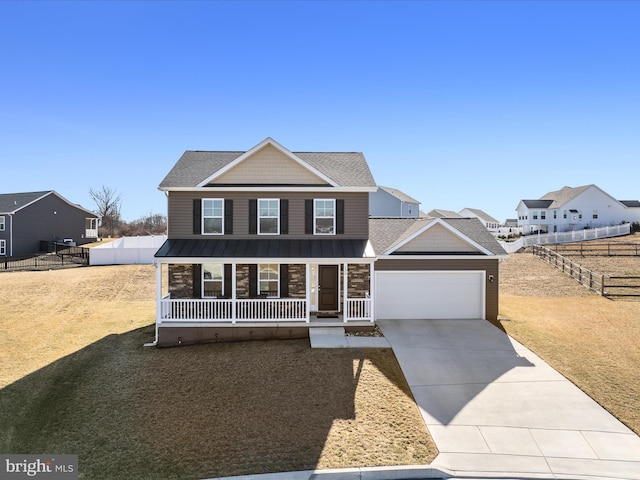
x=430, y=294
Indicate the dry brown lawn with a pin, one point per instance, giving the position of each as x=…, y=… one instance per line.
x=75, y=378
x=589, y=339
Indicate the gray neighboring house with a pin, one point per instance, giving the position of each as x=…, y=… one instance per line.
x=26, y=219
x=391, y=202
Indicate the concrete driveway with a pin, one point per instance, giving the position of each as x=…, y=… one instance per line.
x=495, y=409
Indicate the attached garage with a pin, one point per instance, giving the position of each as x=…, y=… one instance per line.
x=430, y=294
x=435, y=268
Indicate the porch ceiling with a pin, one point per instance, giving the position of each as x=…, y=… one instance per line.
x=253, y=249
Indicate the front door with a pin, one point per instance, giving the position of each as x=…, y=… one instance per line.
x=328, y=288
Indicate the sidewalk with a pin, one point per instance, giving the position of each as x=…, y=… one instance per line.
x=496, y=410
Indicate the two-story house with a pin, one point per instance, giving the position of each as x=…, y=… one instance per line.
x=269, y=243
x=29, y=219
x=575, y=208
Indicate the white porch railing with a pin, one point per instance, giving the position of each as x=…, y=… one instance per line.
x=217, y=310
x=566, y=237
x=358, y=309
x=222, y=310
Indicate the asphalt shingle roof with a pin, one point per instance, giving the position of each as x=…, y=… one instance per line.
x=10, y=202
x=399, y=194
x=347, y=169
x=537, y=203
x=384, y=233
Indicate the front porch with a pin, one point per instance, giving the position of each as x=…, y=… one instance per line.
x=213, y=312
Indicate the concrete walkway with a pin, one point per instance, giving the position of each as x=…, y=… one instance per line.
x=496, y=410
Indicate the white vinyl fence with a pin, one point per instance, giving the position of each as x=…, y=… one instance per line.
x=566, y=237
x=127, y=251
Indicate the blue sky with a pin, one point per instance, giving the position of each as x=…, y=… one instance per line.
x=458, y=104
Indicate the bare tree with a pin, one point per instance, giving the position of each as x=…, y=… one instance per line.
x=108, y=202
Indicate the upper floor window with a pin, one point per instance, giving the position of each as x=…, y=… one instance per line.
x=2, y=222
x=213, y=216
x=543, y=215
x=269, y=216
x=555, y=214
x=595, y=214
x=3, y=247
x=324, y=217
x=212, y=280
x=534, y=215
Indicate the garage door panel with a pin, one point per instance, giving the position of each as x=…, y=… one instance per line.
x=432, y=294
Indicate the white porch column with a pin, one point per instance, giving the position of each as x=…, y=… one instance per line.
x=372, y=281
x=345, y=291
x=158, y=293
x=308, y=291
x=233, y=293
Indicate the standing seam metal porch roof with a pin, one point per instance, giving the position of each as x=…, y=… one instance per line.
x=264, y=248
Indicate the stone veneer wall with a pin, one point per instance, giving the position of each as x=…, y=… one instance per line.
x=297, y=282
x=181, y=280
x=242, y=281
x=358, y=280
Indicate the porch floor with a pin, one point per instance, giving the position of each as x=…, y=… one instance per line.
x=314, y=321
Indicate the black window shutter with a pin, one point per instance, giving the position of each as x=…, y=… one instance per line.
x=284, y=217
x=308, y=216
x=253, y=280
x=339, y=216
x=228, y=217
x=197, y=281
x=197, y=216
x=284, y=280
x=253, y=216
x=227, y=280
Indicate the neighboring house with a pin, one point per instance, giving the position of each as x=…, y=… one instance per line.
x=278, y=242
x=27, y=219
x=439, y=213
x=390, y=202
x=575, y=208
x=487, y=220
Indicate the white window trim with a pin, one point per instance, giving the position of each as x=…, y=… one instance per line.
x=277, y=279
x=203, y=216
x=315, y=217
x=2, y=223
x=203, y=281
x=3, y=247
x=277, y=217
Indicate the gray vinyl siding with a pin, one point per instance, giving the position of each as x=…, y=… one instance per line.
x=180, y=210
x=490, y=265
x=38, y=222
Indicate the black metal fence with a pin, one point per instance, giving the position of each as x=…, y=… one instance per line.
x=64, y=256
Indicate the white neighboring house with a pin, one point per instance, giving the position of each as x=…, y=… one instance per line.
x=391, y=202
x=439, y=213
x=575, y=208
x=487, y=220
